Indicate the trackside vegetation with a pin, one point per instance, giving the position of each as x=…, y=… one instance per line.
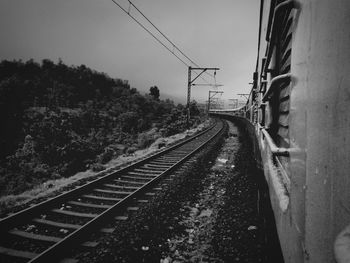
x=58, y=120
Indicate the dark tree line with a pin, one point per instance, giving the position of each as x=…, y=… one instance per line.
x=58, y=119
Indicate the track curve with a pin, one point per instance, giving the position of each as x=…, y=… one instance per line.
x=43, y=232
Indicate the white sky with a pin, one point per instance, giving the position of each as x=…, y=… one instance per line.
x=213, y=33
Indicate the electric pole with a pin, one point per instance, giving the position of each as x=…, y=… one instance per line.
x=210, y=97
x=190, y=83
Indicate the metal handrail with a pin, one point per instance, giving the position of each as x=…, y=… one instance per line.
x=273, y=86
x=275, y=150
x=273, y=147
x=278, y=176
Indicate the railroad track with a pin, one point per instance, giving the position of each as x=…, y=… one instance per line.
x=44, y=232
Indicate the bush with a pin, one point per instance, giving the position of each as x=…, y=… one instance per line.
x=60, y=119
x=118, y=149
x=97, y=167
x=145, y=139
x=131, y=150
x=107, y=155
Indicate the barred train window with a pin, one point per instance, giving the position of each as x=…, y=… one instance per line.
x=280, y=111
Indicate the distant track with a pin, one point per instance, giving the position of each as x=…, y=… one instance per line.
x=45, y=232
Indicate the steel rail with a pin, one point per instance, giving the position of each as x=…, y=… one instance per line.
x=56, y=249
x=78, y=235
x=11, y=220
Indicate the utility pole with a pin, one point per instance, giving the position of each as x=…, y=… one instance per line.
x=190, y=83
x=210, y=97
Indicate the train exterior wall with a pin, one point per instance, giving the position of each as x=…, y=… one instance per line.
x=321, y=120
x=319, y=126
x=307, y=162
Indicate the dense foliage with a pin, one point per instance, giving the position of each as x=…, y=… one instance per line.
x=58, y=119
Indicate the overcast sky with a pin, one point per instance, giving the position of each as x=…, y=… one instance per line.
x=213, y=33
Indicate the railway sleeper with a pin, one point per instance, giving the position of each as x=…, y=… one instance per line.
x=121, y=193
x=156, y=167
x=137, y=178
x=172, y=156
x=126, y=182
x=89, y=205
x=56, y=224
x=172, y=160
x=90, y=244
x=160, y=163
x=107, y=230
x=34, y=236
x=89, y=208
x=179, y=151
x=17, y=253
x=101, y=198
x=184, y=152
x=178, y=160
x=121, y=218
x=72, y=213
x=132, y=208
x=144, y=173
x=142, y=201
x=122, y=187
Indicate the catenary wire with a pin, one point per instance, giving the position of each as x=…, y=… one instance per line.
x=172, y=43
x=160, y=42
x=155, y=37
x=194, y=63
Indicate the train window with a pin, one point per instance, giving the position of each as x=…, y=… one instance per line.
x=281, y=98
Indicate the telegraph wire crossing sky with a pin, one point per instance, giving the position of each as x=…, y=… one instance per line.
x=99, y=34
x=172, y=46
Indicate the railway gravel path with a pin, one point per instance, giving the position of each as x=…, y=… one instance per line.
x=208, y=212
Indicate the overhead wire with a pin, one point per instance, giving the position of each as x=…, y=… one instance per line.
x=171, y=42
x=158, y=40
x=194, y=63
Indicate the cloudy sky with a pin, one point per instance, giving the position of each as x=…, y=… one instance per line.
x=97, y=33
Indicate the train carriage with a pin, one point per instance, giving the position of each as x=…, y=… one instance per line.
x=299, y=112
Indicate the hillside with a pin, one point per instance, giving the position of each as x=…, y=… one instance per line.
x=58, y=120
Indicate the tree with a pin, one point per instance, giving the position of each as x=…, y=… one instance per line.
x=11, y=113
x=154, y=92
x=60, y=119
x=194, y=108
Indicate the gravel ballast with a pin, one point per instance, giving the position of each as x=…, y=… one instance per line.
x=207, y=213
